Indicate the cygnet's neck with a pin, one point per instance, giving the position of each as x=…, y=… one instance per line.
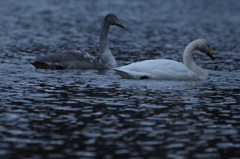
x=106, y=56
x=189, y=62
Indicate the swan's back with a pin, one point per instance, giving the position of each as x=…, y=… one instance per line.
x=68, y=59
x=161, y=69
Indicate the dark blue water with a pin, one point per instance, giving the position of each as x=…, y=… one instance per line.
x=96, y=114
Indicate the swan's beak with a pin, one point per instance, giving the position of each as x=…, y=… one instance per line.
x=120, y=25
x=209, y=53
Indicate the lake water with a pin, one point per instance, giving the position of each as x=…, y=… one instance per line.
x=96, y=114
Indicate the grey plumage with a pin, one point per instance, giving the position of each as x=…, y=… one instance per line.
x=83, y=60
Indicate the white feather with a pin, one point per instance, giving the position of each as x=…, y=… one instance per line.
x=163, y=69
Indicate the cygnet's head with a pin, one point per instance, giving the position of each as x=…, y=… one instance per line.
x=111, y=19
x=204, y=47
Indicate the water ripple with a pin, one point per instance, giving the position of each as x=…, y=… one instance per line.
x=96, y=114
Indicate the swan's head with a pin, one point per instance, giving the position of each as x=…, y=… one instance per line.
x=204, y=47
x=111, y=19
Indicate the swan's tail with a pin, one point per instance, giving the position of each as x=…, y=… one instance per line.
x=127, y=74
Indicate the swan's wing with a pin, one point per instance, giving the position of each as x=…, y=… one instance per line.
x=66, y=56
x=128, y=74
x=67, y=59
x=161, y=69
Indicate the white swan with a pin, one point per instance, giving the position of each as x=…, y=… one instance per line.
x=163, y=69
x=83, y=60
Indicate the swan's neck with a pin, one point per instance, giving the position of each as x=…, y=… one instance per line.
x=106, y=56
x=189, y=62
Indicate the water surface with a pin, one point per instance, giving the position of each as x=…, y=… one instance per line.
x=96, y=114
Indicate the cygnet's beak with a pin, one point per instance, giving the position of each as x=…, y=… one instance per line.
x=209, y=53
x=120, y=25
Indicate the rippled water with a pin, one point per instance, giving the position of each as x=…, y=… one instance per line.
x=96, y=114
